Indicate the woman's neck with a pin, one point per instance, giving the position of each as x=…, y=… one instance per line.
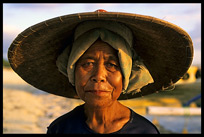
x=107, y=119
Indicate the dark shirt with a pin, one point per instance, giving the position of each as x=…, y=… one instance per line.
x=74, y=122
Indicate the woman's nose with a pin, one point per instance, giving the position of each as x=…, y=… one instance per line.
x=99, y=73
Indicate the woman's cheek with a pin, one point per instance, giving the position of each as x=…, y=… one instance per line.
x=116, y=81
x=117, y=78
x=81, y=78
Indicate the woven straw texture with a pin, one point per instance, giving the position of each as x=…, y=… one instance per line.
x=166, y=49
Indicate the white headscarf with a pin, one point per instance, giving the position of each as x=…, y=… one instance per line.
x=120, y=38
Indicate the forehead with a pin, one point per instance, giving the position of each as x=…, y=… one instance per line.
x=100, y=46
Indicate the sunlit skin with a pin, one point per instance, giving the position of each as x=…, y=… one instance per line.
x=98, y=82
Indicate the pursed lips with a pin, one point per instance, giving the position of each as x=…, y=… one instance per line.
x=98, y=92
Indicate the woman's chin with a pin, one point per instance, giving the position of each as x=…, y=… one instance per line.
x=98, y=101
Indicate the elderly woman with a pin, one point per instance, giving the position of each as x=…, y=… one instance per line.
x=102, y=57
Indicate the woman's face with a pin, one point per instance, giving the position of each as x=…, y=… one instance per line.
x=98, y=77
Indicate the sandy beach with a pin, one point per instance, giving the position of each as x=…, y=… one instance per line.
x=25, y=111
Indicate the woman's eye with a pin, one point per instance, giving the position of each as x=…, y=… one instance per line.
x=111, y=67
x=87, y=64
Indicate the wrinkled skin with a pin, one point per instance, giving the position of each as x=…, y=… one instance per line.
x=98, y=82
x=98, y=77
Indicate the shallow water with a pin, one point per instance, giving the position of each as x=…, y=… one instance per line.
x=176, y=124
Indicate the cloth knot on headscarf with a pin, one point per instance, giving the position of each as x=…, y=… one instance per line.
x=118, y=36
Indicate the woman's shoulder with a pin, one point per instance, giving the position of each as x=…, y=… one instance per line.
x=139, y=125
x=70, y=118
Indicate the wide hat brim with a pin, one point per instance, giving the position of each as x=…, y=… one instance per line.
x=166, y=49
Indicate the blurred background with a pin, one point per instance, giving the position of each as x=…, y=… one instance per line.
x=29, y=110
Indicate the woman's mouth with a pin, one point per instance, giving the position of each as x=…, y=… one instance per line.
x=98, y=92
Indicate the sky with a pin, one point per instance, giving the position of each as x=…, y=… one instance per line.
x=19, y=16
